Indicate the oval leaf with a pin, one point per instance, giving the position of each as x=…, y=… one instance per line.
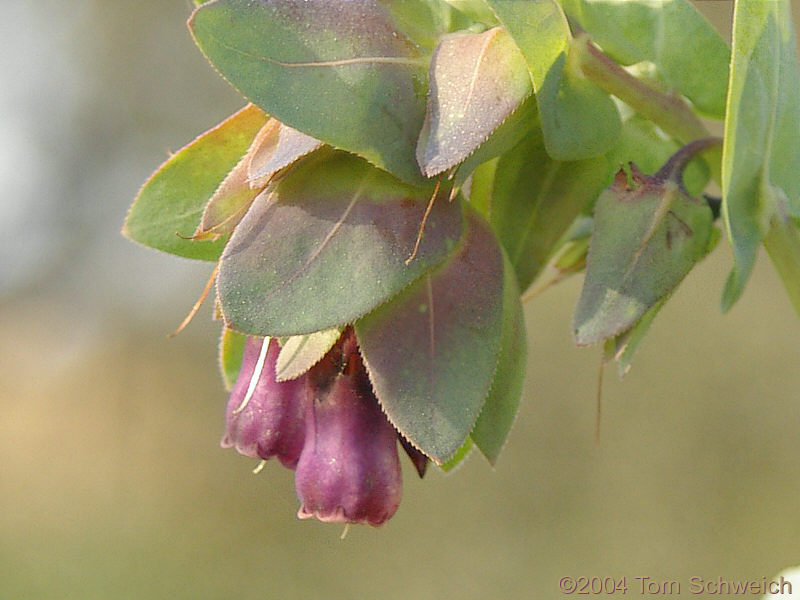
x=170, y=203
x=336, y=70
x=431, y=352
x=301, y=352
x=475, y=81
x=327, y=246
x=645, y=241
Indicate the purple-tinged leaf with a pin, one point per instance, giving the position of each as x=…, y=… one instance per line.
x=498, y=413
x=329, y=245
x=233, y=196
x=283, y=148
x=475, y=81
x=431, y=352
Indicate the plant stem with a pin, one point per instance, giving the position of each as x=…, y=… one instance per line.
x=673, y=168
x=665, y=110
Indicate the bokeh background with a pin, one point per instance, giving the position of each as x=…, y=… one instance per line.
x=112, y=484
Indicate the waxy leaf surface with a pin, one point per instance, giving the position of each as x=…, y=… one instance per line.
x=689, y=54
x=475, y=81
x=432, y=351
x=169, y=205
x=327, y=246
x=645, y=241
x=336, y=70
x=578, y=119
x=760, y=175
x=301, y=352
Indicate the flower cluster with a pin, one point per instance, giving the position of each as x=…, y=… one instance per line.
x=327, y=425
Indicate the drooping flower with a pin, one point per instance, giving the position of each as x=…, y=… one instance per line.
x=265, y=417
x=349, y=471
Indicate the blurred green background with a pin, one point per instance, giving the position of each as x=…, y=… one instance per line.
x=112, y=484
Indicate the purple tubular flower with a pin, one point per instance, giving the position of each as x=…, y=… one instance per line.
x=264, y=417
x=349, y=471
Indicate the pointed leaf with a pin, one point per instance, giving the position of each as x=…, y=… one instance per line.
x=284, y=147
x=170, y=203
x=329, y=245
x=431, y=352
x=577, y=118
x=645, y=241
x=231, y=350
x=458, y=457
x=301, y=352
x=336, y=70
x=762, y=134
x=535, y=199
x=495, y=421
x=475, y=81
x=687, y=52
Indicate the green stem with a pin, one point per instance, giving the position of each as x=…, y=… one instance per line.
x=667, y=111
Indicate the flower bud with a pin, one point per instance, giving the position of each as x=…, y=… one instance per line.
x=265, y=417
x=349, y=471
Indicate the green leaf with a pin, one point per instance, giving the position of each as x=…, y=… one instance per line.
x=475, y=10
x=458, y=456
x=577, y=118
x=170, y=203
x=760, y=178
x=301, y=352
x=431, y=352
x=231, y=349
x=689, y=55
x=329, y=245
x=623, y=347
x=338, y=71
x=645, y=241
x=475, y=81
x=495, y=421
x=425, y=21
x=535, y=199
